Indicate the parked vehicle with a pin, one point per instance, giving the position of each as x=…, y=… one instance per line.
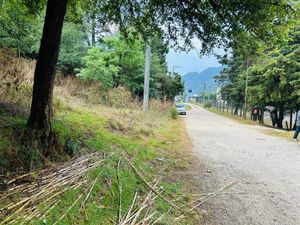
x=180, y=109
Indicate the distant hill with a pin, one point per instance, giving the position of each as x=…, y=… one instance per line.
x=195, y=81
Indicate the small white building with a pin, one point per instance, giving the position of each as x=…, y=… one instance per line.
x=193, y=98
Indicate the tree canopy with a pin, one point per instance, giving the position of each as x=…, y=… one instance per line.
x=273, y=76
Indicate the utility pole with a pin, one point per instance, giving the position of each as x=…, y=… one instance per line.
x=147, y=78
x=246, y=91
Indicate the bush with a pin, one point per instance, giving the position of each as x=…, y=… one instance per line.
x=174, y=113
x=207, y=105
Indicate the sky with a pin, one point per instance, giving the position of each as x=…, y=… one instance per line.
x=183, y=63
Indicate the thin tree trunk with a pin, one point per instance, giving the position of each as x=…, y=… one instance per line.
x=291, y=119
x=85, y=32
x=281, y=117
x=41, y=107
x=236, y=110
x=93, y=30
x=294, y=127
x=261, y=116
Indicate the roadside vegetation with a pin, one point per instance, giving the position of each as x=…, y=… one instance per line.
x=265, y=79
x=154, y=143
x=75, y=147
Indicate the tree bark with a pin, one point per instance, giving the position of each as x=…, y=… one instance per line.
x=236, y=110
x=281, y=117
x=44, y=75
x=291, y=119
x=93, y=30
x=261, y=116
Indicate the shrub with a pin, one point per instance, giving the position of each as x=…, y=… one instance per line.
x=207, y=105
x=174, y=113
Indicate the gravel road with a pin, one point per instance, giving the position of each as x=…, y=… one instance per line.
x=267, y=169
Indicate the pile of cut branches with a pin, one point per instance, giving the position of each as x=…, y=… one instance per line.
x=23, y=193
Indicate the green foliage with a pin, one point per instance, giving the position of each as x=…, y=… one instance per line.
x=273, y=76
x=118, y=62
x=72, y=48
x=207, y=105
x=72, y=148
x=213, y=22
x=174, y=113
x=18, y=28
x=95, y=68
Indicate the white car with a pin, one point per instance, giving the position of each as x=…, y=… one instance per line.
x=180, y=109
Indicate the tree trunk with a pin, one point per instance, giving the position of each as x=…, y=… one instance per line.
x=44, y=74
x=294, y=127
x=236, y=109
x=281, y=117
x=274, y=117
x=85, y=32
x=261, y=116
x=93, y=30
x=291, y=119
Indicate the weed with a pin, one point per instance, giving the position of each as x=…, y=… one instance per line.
x=174, y=113
x=207, y=105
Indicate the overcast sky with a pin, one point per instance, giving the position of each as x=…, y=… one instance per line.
x=189, y=62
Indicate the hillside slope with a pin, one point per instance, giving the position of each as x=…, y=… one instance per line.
x=108, y=160
x=195, y=81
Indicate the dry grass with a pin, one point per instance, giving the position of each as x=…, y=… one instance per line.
x=121, y=112
x=15, y=79
x=115, y=122
x=280, y=133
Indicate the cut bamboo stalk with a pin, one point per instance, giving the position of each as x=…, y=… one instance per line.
x=153, y=189
x=68, y=210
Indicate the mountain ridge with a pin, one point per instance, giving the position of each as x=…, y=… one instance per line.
x=198, y=81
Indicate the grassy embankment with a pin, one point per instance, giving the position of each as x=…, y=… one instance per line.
x=271, y=131
x=155, y=143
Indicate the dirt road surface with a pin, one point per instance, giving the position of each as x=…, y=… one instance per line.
x=267, y=169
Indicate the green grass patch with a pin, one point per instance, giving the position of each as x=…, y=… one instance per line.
x=90, y=130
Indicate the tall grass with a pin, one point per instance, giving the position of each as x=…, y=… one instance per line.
x=118, y=108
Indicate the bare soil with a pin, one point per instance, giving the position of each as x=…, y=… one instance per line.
x=267, y=169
